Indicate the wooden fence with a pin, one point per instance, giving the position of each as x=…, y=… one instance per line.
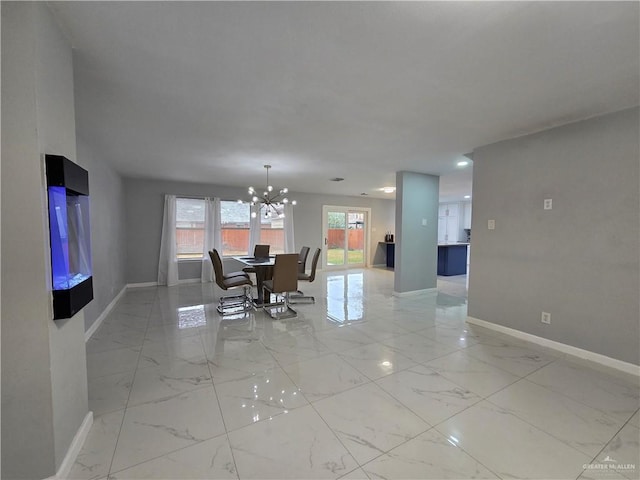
x=235, y=241
x=336, y=238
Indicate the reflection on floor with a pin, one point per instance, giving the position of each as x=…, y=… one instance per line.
x=456, y=285
x=360, y=385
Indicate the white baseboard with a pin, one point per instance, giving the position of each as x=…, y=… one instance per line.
x=561, y=347
x=142, y=285
x=414, y=293
x=190, y=280
x=95, y=325
x=74, y=449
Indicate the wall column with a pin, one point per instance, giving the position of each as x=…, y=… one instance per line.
x=416, y=256
x=44, y=376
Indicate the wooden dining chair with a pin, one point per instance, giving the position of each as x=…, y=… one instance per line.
x=284, y=281
x=231, y=304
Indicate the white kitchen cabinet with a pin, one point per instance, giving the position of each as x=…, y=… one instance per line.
x=466, y=215
x=448, y=222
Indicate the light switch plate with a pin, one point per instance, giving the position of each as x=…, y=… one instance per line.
x=548, y=203
x=424, y=222
x=491, y=224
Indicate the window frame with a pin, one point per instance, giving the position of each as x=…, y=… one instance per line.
x=224, y=254
x=191, y=258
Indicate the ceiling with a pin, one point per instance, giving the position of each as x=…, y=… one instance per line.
x=211, y=91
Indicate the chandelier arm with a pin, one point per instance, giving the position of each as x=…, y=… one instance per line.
x=266, y=198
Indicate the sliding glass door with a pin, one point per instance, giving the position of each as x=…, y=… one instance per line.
x=345, y=232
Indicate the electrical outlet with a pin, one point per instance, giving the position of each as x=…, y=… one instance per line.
x=546, y=318
x=491, y=224
x=548, y=203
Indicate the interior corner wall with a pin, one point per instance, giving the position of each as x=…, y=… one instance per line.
x=44, y=381
x=144, y=201
x=108, y=251
x=416, y=253
x=577, y=261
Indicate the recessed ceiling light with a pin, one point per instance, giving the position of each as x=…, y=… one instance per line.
x=467, y=196
x=388, y=189
x=462, y=163
x=336, y=179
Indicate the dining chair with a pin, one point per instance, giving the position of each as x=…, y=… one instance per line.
x=302, y=259
x=284, y=281
x=224, y=275
x=231, y=304
x=300, y=297
x=259, y=251
x=302, y=264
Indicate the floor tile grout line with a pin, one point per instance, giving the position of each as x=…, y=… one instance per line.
x=465, y=451
x=480, y=399
x=168, y=453
x=565, y=357
x=540, y=429
x=464, y=349
x=124, y=416
x=433, y=426
x=606, y=444
x=337, y=437
x=215, y=391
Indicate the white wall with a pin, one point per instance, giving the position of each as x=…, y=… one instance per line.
x=106, y=191
x=578, y=261
x=144, y=201
x=44, y=380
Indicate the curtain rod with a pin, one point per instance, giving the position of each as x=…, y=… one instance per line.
x=196, y=197
x=193, y=197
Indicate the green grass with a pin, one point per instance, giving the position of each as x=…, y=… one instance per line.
x=336, y=256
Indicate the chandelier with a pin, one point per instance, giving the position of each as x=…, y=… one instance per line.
x=271, y=200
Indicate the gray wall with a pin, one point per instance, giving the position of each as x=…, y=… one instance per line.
x=145, y=203
x=578, y=261
x=308, y=221
x=108, y=240
x=416, y=259
x=44, y=380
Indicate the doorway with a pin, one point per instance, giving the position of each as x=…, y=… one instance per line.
x=345, y=237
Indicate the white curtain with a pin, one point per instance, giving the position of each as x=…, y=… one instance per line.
x=168, y=263
x=212, y=236
x=254, y=228
x=289, y=242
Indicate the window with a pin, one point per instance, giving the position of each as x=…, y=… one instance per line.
x=189, y=228
x=272, y=228
x=235, y=224
x=235, y=219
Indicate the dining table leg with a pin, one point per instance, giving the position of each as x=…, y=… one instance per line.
x=262, y=273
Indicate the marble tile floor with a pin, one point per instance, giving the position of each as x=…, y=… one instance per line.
x=361, y=385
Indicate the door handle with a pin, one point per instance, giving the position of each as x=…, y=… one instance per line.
x=325, y=240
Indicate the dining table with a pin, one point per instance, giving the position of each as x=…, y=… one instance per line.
x=263, y=267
